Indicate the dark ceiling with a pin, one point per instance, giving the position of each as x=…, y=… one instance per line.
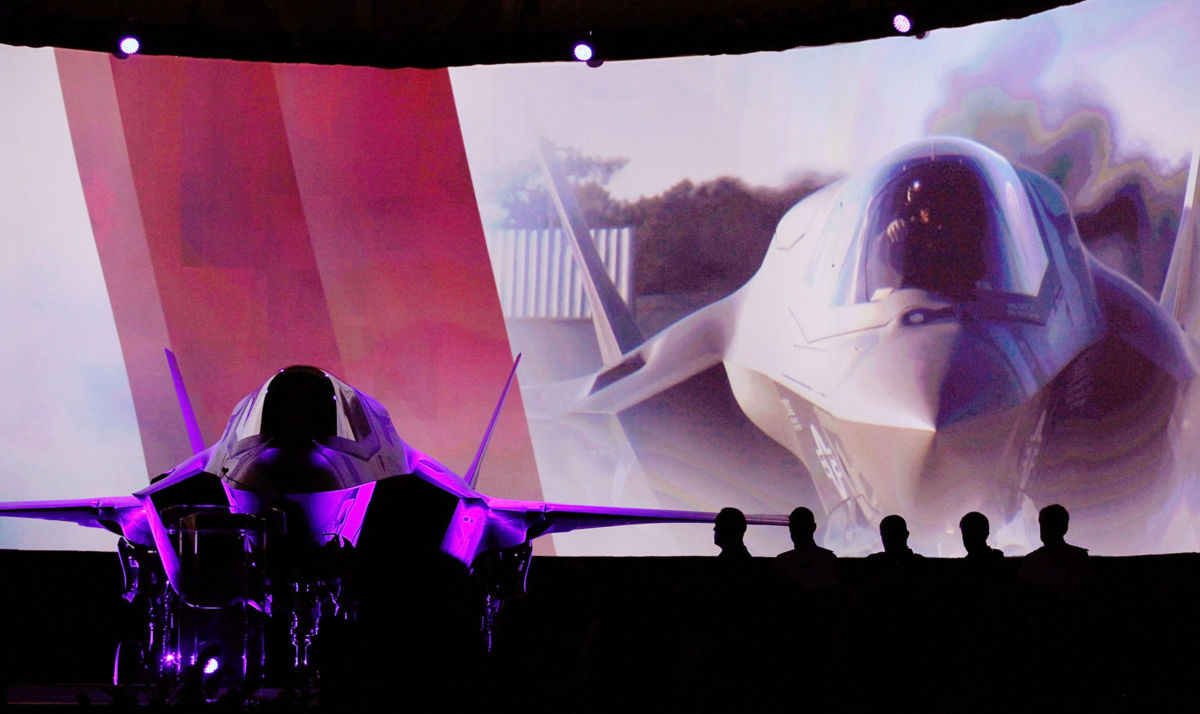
x=443, y=33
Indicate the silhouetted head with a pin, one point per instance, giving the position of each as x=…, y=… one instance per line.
x=893, y=531
x=1052, y=521
x=975, y=528
x=802, y=525
x=729, y=528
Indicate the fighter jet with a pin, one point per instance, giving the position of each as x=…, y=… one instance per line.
x=926, y=338
x=259, y=523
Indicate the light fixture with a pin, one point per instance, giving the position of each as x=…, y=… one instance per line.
x=902, y=23
x=585, y=50
x=128, y=45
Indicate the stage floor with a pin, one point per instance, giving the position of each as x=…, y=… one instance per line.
x=599, y=634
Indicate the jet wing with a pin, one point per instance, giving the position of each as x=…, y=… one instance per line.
x=108, y=513
x=560, y=518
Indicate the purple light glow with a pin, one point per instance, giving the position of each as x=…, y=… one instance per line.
x=352, y=525
x=583, y=52
x=185, y=403
x=466, y=531
x=129, y=45
x=901, y=23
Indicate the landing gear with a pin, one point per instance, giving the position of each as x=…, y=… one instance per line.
x=503, y=574
x=242, y=615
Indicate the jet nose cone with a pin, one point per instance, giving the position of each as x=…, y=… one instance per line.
x=934, y=419
x=289, y=470
x=930, y=375
x=978, y=379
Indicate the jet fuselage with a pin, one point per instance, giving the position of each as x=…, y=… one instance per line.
x=909, y=390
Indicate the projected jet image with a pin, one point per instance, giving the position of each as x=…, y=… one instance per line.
x=927, y=337
x=815, y=300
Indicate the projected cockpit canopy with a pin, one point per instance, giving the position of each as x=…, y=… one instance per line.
x=949, y=217
x=931, y=229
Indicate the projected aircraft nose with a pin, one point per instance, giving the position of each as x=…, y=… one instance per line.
x=978, y=379
x=922, y=406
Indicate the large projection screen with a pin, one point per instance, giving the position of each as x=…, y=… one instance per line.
x=399, y=229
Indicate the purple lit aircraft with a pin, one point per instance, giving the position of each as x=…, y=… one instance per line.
x=305, y=461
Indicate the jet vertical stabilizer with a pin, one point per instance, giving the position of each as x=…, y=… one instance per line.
x=1181, y=289
x=616, y=331
x=185, y=404
x=473, y=473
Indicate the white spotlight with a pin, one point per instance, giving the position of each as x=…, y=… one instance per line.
x=583, y=51
x=129, y=45
x=902, y=24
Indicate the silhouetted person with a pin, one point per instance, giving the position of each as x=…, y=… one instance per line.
x=736, y=577
x=893, y=608
x=807, y=565
x=893, y=532
x=975, y=530
x=973, y=600
x=982, y=573
x=1057, y=566
x=727, y=623
x=728, y=532
x=897, y=563
x=1052, y=579
x=804, y=626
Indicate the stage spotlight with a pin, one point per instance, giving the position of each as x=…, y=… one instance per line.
x=212, y=665
x=585, y=51
x=902, y=24
x=128, y=45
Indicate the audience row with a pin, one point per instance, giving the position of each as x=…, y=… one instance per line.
x=1056, y=566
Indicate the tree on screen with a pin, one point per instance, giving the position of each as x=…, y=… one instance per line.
x=702, y=239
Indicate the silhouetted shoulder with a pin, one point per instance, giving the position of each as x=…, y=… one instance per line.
x=811, y=567
x=990, y=555
x=1064, y=552
x=808, y=555
x=736, y=553
x=1060, y=568
x=886, y=557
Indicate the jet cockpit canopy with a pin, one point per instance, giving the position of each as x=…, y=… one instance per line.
x=947, y=216
x=302, y=404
